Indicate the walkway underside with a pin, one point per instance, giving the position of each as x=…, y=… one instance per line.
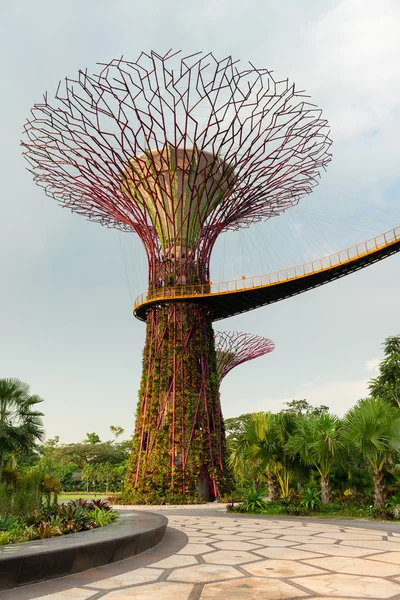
x=234, y=297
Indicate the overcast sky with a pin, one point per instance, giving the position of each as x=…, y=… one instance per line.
x=67, y=285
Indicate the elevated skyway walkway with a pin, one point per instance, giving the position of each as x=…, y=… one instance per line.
x=230, y=298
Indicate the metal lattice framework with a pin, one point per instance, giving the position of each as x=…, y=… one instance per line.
x=234, y=348
x=119, y=147
x=178, y=151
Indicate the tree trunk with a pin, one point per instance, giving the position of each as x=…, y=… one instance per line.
x=273, y=492
x=326, y=495
x=379, y=489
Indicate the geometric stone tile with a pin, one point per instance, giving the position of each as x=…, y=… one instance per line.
x=175, y=560
x=257, y=534
x=164, y=590
x=235, y=546
x=195, y=549
x=312, y=531
x=231, y=537
x=230, y=557
x=288, y=553
x=387, y=557
x=335, y=550
x=351, y=536
x=280, y=568
x=271, y=542
x=305, y=539
x=388, y=546
x=272, y=554
x=356, y=566
x=129, y=578
x=200, y=573
x=75, y=593
x=249, y=588
x=199, y=540
x=351, y=586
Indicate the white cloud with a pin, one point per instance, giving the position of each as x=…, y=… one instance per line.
x=339, y=395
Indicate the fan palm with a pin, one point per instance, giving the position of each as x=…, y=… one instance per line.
x=20, y=422
x=261, y=445
x=372, y=428
x=318, y=441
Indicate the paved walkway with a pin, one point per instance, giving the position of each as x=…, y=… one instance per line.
x=214, y=556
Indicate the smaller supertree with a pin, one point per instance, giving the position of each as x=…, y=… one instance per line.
x=233, y=349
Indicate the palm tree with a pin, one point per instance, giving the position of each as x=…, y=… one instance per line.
x=387, y=384
x=21, y=425
x=261, y=445
x=372, y=428
x=318, y=441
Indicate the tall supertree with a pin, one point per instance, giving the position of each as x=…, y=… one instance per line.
x=178, y=151
x=234, y=348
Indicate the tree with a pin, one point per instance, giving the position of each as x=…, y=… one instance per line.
x=92, y=438
x=262, y=445
x=88, y=475
x=318, y=440
x=234, y=425
x=21, y=425
x=103, y=474
x=253, y=448
x=372, y=428
x=117, y=431
x=302, y=407
x=387, y=384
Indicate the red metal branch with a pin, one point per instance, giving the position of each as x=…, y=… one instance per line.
x=256, y=137
x=234, y=348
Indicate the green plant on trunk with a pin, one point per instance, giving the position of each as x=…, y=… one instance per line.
x=21, y=424
x=372, y=428
x=318, y=440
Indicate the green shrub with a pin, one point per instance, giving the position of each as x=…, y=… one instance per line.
x=102, y=517
x=5, y=538
x=47, y=530
x=254, y=501
x=8, y=522
x=310, y=498
x=393, y=501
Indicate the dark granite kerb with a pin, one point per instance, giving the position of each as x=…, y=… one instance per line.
x=30, y=562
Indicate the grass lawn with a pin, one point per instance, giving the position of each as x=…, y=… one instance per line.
x=76, y=495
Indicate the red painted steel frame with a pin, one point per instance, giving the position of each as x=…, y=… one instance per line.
x=262, y=136
x=233, y=349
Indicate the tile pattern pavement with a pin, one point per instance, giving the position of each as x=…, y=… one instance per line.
x=219, y=558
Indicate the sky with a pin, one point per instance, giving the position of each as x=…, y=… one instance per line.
x=66, y=324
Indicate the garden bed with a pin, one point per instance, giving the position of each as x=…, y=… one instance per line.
x=30, y=562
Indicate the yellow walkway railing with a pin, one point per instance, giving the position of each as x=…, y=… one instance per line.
x=316, y=266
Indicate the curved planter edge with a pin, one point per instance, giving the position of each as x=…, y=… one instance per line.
x=31, y=562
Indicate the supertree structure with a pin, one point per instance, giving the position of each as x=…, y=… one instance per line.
x=178, y=151
x=234, y=348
